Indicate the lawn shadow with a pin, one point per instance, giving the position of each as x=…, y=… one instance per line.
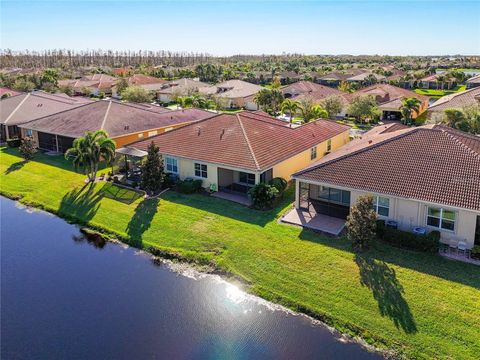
x=387, y=291
x=80, y=204
x=141, y=220
x=15, y=166
x=117, y=193
x=423, y=262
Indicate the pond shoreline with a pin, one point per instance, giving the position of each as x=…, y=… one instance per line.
x=180, y=264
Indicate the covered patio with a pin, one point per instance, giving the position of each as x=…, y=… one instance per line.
x=315, y=221
x=128, y=164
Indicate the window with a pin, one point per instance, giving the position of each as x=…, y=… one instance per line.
x=382, y=206
x=313, y=153
x=29, y=132
x=171, y=165
x=329, y=145
x=334, y=195
x=247, y=178
x=152, y=133
x=201, y=170
x=140, y=136
x=441, y=218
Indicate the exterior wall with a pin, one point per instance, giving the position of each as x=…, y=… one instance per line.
x=411, y=213
x=164, y=98
x=129, y=138
x=251, y=105
x=286, y=168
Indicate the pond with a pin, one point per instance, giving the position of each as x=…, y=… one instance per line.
x=63, y=297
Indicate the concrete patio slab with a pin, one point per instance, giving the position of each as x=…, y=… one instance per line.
x=238, y=198
x=314, y=221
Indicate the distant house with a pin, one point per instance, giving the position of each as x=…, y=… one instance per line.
x=19, y=109
x=389, y=99
x=181, y=87
x=334, y=78
x=458, y=100
x=124, y=123
x=473, y=82
x=362, y=77
x=301, y=89
x=238, y=94
x=91, y=84
x=233, y=152
x=427, y=177
x=149, y=83
x=432, y=82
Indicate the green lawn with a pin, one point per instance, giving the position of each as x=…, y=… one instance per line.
x=439, y=93
x=421, y=305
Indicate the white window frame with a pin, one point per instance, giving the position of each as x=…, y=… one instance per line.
x=167, y=164
x=152, y=133
x=140, y=136
x=313, y=153
x=29, y=132
x=247, y=174
x=202, y=172
x=376, y=205
x=440, y=223
x=329, y=145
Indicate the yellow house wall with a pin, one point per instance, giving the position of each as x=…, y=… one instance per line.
x=286, y=168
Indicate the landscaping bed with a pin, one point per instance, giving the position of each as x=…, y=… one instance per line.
x=419, y=304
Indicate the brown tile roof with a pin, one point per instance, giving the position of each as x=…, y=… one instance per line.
x=444, y=167
x=115, y=118
x=457, y=100
x=233, y=89
x=386, y=93
x=342, y=75
x=21, y=108
x=182, y=86
x=307, y=88
x=244, y=140
x=140, y=79
x=474, y=80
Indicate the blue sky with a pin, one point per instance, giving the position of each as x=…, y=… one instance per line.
x=245, y=27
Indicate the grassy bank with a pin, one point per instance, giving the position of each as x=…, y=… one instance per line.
x=421, y=305
x=438, y=93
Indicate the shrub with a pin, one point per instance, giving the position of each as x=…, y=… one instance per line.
x=476, y=252
x=279, y=183
x=361, y=223
x=263, y=196
x=27, y=148
x=408, y=240
x=189, y=186
x=13, y=143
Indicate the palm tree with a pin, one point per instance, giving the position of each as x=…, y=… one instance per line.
x=410, y=105
x=87, y=152
x=290, y=106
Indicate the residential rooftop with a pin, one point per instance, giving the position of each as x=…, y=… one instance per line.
x=444, y=169
x=248, y=140
x=457, y=100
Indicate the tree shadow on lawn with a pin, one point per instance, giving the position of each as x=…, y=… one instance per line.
x=387, y=291
x=15, y=166
x=117, y=193
x=427, y=263
x=81, y=204
x=141, y=220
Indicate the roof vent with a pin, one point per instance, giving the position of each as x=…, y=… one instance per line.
x=126, y=127
x=198, y=131
x=223, y=133
x=39, y=105
x=370, y=141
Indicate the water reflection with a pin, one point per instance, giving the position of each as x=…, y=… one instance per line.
x=64, y=299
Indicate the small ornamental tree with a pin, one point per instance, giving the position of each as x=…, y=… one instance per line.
x=153, y=175
x=27, y=148
x=136, y=94
x=361, y=223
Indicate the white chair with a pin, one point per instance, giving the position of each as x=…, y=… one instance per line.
x=453, y=246
x=462, y=248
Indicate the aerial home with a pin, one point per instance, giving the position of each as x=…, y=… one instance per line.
x=91, y=84
x=19, y=109
x=389, y=99
x=438, y=188
x=334, y=78
x=473, y=82
x=435, y=81
x=233, y=152
x=124, y=123
x=182, y=87
x=458, y=100
x=237, y=94
x=149, y=83
x=303, y=88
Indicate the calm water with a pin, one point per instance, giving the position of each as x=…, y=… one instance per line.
x=64, y=298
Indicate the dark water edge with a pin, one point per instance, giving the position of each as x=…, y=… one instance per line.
x=63, y=297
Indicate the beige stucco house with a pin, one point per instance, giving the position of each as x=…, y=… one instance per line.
x=233, y=152
x=420, y=177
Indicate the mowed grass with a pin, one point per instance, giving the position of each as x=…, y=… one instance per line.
x=420, y=305
x=437, y=93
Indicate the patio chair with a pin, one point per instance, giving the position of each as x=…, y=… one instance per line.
x=462, y=248
x=453, y=246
